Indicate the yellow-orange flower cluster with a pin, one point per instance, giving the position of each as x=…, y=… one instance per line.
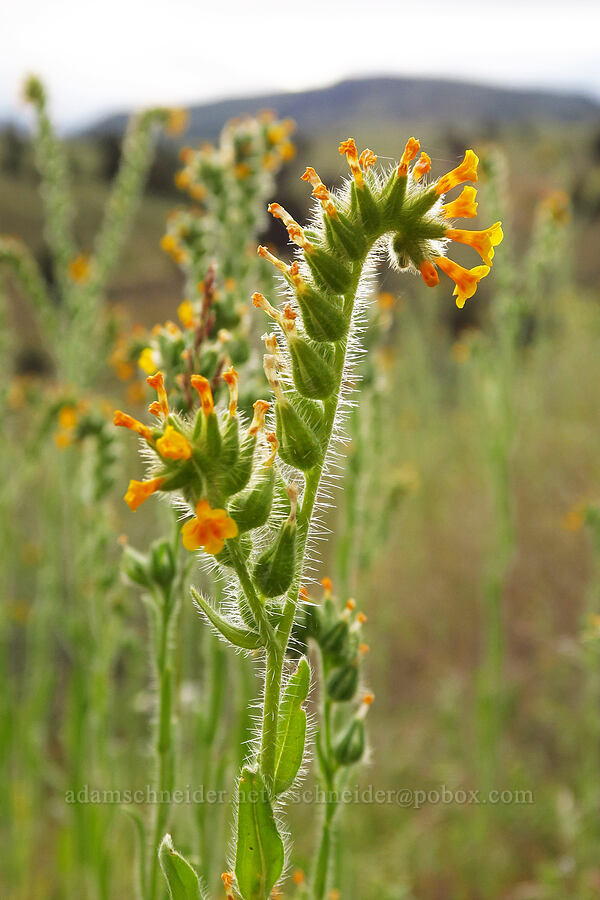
x=208, y=530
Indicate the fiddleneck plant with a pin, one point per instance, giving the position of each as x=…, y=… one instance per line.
x=70, y=306
x=249, y=493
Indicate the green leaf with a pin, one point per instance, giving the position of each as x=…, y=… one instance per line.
x=291, y=728
x=259, y=853
x=239, y=637
x=142, y=842
x=182, y=880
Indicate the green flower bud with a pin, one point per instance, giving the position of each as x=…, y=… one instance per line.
x=230, y=445
x=311, y=368
x=345, y=235
x=162, y=562
x=349, y=748
x=328, y=270
x=369, y=211
x=275, y=567
x=213, y=437
x=238, y=475
x=136, y=566
x=252, y=508
x=334, y=640
x=298, y=444
x=343, y=683
x=322, y=314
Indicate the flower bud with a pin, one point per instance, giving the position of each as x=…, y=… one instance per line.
x=311, y=367
x=162, y=562
x=275, y=567
x=349, y=748
x=298, y=444
x=136, y=567
x=322, y=314
x=237, y=477
x=343, y=682
x=334, y=640
x=327, y=268
x=252, y=508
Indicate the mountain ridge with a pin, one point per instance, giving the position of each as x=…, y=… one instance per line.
x=385, y=97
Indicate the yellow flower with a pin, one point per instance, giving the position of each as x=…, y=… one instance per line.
x=460, y=352
x=231, y=377
x=67, y=417
x=348, y=149
x=63, y=439
x=466, y=280
x=173, y=445
x=148, y=360
x=177, y=121
x=466, y=171
x=79, y=268
x=185, y=311
x=208, y=530
x=482, y=241
x=574, y=518
x=183, y=180
x=464, y=207
x=139, y=491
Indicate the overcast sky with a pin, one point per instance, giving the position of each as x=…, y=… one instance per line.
x=112, y=54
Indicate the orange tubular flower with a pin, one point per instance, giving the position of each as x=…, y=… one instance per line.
x=429, y=274
x=208, y=530
x=157, y=382
x=466, y=171
x=126, y=421
x=173, y=445
x=348, y=149
x=258, y=422
x=264, y=253
x=466, y=280
x=410, y=151
x=422, y=167
x=320, y=191
x=327, y=585
x=294, y=230
x=464, y=207
x=139, y=491
x=202, y=385
x=482, y=241
x=367, y=159
x=231, y=377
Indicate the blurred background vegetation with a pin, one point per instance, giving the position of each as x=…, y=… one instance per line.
x=425, y=595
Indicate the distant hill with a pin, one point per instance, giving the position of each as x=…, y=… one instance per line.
x=370, y=99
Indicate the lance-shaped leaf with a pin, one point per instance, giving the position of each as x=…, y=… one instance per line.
x=259, y=853
x=291, y=728
x=181, y=879
x=240, y=637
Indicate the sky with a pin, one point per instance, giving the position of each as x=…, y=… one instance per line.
x=101, y=57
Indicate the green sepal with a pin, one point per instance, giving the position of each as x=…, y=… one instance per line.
x=238, y=476
x=312, y=371
x=259, y=855
x=162, y=562
x=275, y=567
x=348, y=236
x=239, y=637
x=182, y=881
x=322, y=314
x=335, y=638
x=135, y=566
x=298, y=444
x=174, y=480
x=342, y=683
x=213, y=437
x=349, y=748
x=291, y=729
x=230, y=447
x=369, y=211
x=252, y=508
x=395, y=193
x=327, y=269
